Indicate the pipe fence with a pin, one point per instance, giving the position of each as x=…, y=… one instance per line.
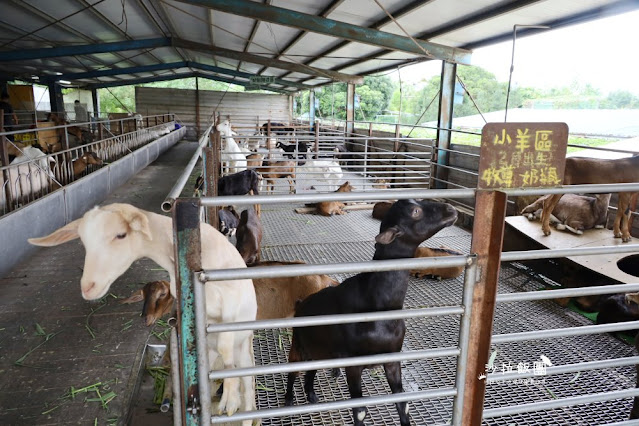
x=195, y=372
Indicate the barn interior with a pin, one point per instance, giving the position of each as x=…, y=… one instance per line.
x=66, y=360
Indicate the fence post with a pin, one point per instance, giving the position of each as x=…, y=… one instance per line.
x=186, y=235
x=212, y=175
x=488, y=236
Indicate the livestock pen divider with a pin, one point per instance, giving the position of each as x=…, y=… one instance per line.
x=476, y=309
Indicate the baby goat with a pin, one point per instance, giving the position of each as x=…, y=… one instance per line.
x=405, y=227
x=276, y=297
x=329, y=208
x=575, y=213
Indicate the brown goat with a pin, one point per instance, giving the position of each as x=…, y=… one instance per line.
x=595, y=170
x=573, y=212
x=272, y=170
x=380, y=209
x=254, y=160
x=249, y=236
x=438, y=273
x=157, y=300
x=276, y=297
x=329, y=208
x=81, y=164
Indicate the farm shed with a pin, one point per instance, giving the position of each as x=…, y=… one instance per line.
x=110, y=43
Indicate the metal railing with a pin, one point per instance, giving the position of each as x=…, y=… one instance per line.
x=34, y=173
x=186, y=222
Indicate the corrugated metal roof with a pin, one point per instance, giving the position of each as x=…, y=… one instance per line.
x=309, y=50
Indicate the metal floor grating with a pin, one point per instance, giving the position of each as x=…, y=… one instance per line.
x=349, y=238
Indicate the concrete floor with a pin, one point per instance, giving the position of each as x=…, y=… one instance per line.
x=45, y=323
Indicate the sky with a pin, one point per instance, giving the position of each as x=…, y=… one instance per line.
x=601, y=53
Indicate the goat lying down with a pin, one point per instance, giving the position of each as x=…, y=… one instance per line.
x=581, y=170
x=407, y=224
x=575, y=213
x=437, y=273
x=116, y=235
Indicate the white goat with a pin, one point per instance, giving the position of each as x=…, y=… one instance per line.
x=327, y=172
x=29, y=173
x=233, y=159
x=116, y=235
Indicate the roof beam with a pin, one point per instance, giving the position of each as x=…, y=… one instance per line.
x=324, y=13
x=137, y=81
x=87, y=49
x=239, y=83
x=166, y=66
x=330, y=27
x=256, y=59
x=83, y=49
x=402, y=11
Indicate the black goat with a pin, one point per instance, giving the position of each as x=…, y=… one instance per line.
x=229, y=219
x=407, y=224
x=289, y=151
x=239, y=183
x=277, y=128
x=249, y=236
x=617, y=308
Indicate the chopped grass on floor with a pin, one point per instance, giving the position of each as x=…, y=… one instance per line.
x=103, y=399
x=20, y=361
x=93, y=311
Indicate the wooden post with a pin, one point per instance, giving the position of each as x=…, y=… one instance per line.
x=488, y=234
x=212, y=175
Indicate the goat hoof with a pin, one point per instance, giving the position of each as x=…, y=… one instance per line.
x=288, y=401
x=312, y=398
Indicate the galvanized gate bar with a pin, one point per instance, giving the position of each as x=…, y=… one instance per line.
x=470, y=276
x=334, y=319
x=488, y=235
x=563, y=332
x=328, y=268
x=337, y=405
x=559, y=403
x=568, y=292
x=565, y=369
x=334, y=363
x=187, y=247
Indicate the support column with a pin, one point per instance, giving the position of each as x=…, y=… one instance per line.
x=350, y=107
x=445, y=121
x=96, y=102
x=311, y=108
x=197, y=109
x=56, y=99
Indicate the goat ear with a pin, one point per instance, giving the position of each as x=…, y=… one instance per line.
x=138, y=296
x=389, y=235
x=137, y=221
x=66, y=233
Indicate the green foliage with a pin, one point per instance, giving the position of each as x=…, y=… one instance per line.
x=375, y=95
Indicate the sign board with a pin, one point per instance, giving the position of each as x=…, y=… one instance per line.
x=522, y=155
x=259, y=80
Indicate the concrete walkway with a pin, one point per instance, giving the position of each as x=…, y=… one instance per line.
x=52, y=341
